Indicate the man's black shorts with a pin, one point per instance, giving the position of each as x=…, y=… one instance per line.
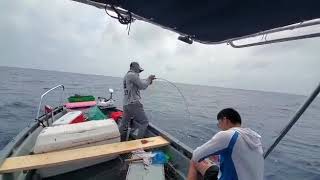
x=211, y=173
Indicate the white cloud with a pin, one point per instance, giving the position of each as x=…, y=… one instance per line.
x=69, y=36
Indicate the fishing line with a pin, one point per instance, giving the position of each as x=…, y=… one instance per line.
x=184, y=99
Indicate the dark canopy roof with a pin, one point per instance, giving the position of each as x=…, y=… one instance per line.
x=212, y=21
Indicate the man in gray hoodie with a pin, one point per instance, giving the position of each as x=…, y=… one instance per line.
x=239, y=149
x=132, y=108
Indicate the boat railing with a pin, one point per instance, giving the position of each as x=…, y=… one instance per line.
x=264, y=34
x=44, y=94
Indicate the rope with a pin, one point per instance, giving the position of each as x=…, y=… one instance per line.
x=122, y=18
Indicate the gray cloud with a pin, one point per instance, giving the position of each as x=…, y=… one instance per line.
x=69, y=36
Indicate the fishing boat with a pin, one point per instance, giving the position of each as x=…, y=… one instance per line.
x=62, y=130
x=41, y=150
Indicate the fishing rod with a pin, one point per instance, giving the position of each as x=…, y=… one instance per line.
x=294, y=119
x=184, y=99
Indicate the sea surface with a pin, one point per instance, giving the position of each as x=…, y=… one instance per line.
x=297, y=156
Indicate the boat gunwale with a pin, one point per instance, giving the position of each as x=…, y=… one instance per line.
x=8, y=150
x=174, y=142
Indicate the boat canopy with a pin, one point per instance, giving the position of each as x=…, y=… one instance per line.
x=215, y=21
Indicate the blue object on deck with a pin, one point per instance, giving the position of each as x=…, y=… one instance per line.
x=159, y=158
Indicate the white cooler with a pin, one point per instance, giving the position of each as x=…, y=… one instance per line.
x=75, y=135
x=71, y=136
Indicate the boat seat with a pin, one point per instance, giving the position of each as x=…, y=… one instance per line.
x=137, y=171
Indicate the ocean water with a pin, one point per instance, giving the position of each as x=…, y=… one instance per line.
x=296, y=157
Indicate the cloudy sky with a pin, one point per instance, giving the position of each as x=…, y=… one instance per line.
x=68, y=36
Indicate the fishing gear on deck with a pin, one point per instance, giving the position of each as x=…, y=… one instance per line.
x=184, y=99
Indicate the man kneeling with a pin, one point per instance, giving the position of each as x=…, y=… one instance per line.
x=239, y=149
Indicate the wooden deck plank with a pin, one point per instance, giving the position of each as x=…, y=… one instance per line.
x=50, y=159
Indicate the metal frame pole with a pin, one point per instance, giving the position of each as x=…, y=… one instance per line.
x=294, y=119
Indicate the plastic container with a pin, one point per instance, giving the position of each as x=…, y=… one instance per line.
x=80, y=104
x=159, y=158
x=70, y=118
x=79, y=98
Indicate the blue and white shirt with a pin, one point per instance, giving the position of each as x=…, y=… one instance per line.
x=241, y=154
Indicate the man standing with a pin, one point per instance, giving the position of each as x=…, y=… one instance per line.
x=239, y=149
x=132, y=108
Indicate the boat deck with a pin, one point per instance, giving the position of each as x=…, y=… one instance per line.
x=113, y=169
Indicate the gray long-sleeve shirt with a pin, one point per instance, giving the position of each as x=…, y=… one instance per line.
x=132, y=84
